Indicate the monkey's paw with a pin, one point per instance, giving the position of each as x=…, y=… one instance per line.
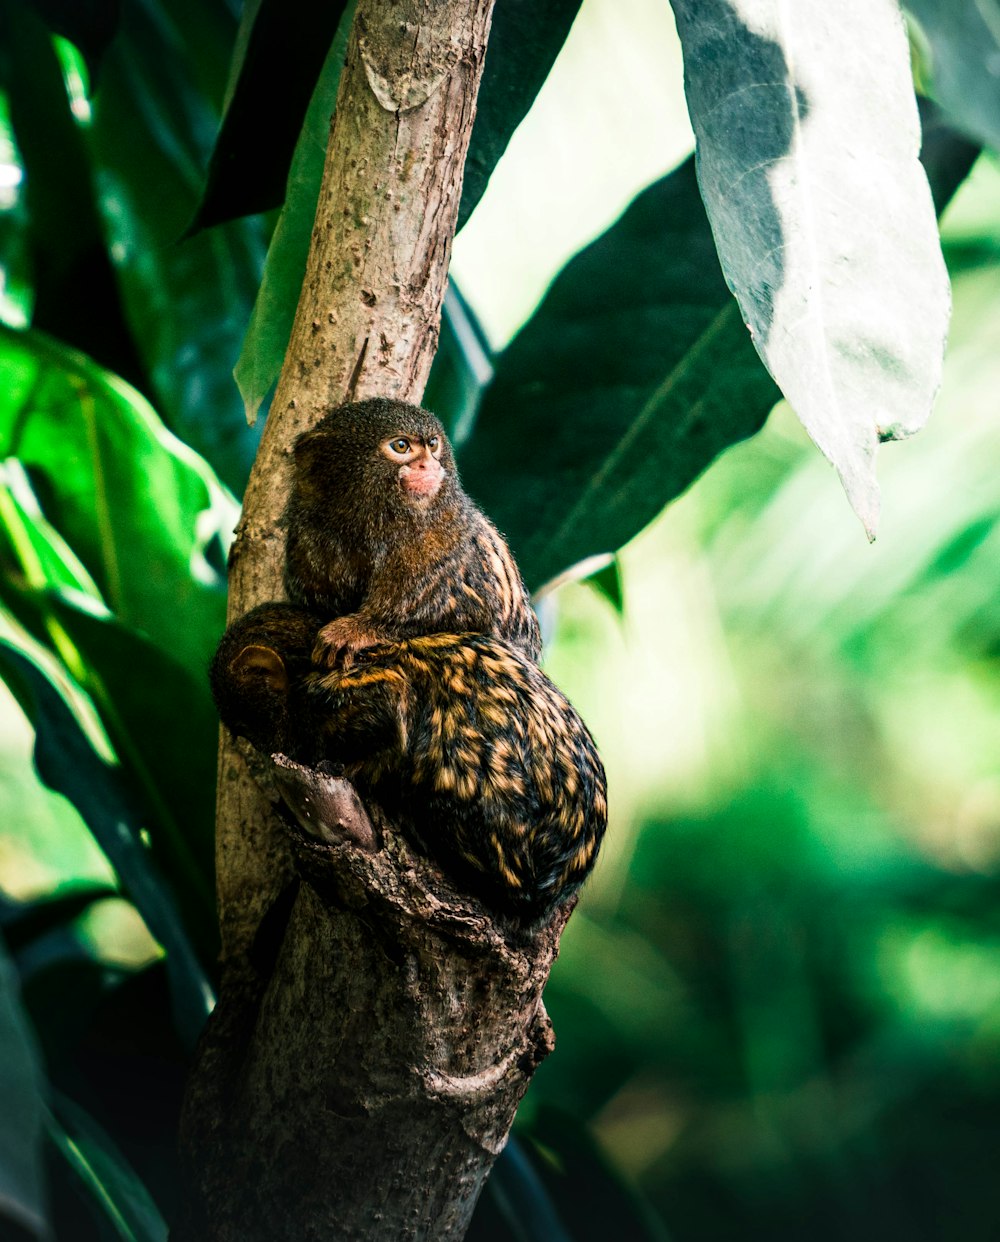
x=339, y=641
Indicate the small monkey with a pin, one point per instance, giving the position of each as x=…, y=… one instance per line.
x=385, y=544
x=460, y=737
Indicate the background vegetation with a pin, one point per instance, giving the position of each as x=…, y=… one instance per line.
x=778, y=1005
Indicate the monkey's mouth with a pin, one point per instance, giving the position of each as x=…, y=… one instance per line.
x=420, y=484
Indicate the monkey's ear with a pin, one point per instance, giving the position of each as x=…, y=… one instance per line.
x=261, y=664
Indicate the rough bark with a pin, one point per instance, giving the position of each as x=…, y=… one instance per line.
x=375, y=1029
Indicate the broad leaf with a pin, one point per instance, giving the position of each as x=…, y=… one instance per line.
x=69, y=764
x=632, y=375
x=964, y=38
x=807, y=138
x=63, y=226
x=53, y=597
x=145, y=515
x=186, y=299
x=270, y=325
x=22, y=1198
x=279, y=42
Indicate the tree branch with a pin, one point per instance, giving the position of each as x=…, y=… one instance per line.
x=376, y=1029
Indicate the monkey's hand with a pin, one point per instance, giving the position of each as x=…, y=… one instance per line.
x=340, y=640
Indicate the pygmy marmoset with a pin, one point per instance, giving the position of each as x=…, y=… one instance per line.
x=384, y=543
x=459, y=737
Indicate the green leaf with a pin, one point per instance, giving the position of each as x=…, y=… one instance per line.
x=808, y=138
x=67, y=761
x=525, y=39
x=172, y=769
x=108, y=1181
x=187, y=300
x=22, y=1196
x=270, y=325
x=964, y=38
x=64, y=230
x=145, y=516
x=632, y=375
x=89, y=24
x=285, y=43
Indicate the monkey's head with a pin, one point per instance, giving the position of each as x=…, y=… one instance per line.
x=387, y=456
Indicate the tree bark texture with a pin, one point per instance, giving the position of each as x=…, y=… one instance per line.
x=376, y=1029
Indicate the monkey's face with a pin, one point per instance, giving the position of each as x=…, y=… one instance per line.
x=418, y=460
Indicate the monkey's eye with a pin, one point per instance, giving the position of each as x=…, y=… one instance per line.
x=434, y=443
x=400, y=445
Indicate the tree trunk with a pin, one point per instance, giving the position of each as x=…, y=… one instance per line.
x=375, y=1029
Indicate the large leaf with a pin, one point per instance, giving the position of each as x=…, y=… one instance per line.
x=22, y=1200
x=64, y=231
x=187, y=301
x=964, y=38
x=69, y=764
x=280, y=42
x=632, y=375
x=270, y=325
x=144, y=514
x=49, y=591
x=807, y=137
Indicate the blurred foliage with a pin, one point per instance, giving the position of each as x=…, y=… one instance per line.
x=779, y=1002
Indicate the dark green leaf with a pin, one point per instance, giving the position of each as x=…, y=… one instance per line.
x=286, y=43
x=146, y=516
x=608, y=582
x=22, y=1198
x=808, y=137
x=964, y=38
x=90, y=24
x=187, y=302
x=946, y=155
x=76, y=298
x=107, y=1179
x=68, y=763
x=525, y=39
x=270, y=325
x=632, y=375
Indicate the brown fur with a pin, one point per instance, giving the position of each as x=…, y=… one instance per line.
x=459, y=736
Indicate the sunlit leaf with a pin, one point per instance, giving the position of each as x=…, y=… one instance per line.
x=68, y=763
x=145, y=515
x=22, y=1198
x=807, y=157
x=964, y=38
x=632, y=375
x=266, y=339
